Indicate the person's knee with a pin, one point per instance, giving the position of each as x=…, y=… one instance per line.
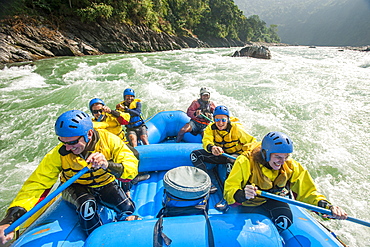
x=283, y=222
x=116, y=198
x=87, y=209
x=194, y=157
x=182, y=131
x=281, y=214
x=186, y=128
x=127, y=206
x=132, y=137
x=144, y=139
x=88, y=215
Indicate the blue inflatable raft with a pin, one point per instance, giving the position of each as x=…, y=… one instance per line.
x=58, y=225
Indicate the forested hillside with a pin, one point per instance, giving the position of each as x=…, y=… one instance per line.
x=202, y=18
x=315, y=22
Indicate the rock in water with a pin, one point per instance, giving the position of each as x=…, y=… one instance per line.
x=254, y=51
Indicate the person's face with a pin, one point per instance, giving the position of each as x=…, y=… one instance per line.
x=76, y=144
x=129, y=98
x=221, y=121
x=277, y=160
x=97, y=109
x=205, y=97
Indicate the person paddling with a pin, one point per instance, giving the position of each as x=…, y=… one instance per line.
x=267, y=166
x=222, y=136
x=200, y=113
x=80, y=146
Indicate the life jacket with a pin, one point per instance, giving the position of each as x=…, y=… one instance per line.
x=72, y=164
x=205, y=107
x=111, y=124
x=279, y=185
x=269, y=180
x=135, y=121
x=228, y=139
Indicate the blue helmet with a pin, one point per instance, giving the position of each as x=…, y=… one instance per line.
x=128, y=91
x=95, y=101
x=275, y=142
x=221, y=110
x=73, y=123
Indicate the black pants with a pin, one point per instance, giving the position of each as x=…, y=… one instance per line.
x=85, y=200
x=198, y=157
x=279, y=213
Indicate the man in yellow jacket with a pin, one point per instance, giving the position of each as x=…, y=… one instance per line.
x=81, y=146
x=222, y=136
x=267, y=166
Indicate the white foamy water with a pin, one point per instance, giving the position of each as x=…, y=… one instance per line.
x=319, y=97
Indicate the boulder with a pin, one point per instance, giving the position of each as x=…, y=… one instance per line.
x=254, y=51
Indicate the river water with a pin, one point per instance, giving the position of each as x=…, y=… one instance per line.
x=319, y=97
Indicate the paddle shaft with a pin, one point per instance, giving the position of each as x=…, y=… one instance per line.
x=307, y=206
x=228, y=156
x=47, y=199
x=301, y=204
x=206, y=117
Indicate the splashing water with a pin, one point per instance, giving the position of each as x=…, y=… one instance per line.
x=319, y=97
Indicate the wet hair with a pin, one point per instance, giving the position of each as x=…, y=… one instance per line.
x=257, y=156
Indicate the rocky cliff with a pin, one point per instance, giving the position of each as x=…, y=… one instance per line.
x=26, y=39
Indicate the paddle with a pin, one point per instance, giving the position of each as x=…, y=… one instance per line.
x=307, y=206
x=301, y=204
x=206, y=117
x=47, y=199
x=228, y=156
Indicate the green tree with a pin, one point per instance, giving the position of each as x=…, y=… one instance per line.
x=204, y=18
x=95, y=11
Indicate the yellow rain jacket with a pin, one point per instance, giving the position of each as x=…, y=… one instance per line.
x=54, y=165
x=111, y=124
x=247, y=171
x=231, y=140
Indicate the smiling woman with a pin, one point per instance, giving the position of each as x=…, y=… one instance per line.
x=266, y=166
x=220, y=137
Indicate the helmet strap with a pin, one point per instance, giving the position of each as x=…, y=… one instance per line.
x=90, y=143
x=264, y=156
x=267, y=165
x=100, y=118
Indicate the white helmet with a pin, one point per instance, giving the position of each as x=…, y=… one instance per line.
x=204, y=90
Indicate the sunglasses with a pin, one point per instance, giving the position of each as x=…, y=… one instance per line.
x=71, y=142
x=97, y=111
x=221, y=119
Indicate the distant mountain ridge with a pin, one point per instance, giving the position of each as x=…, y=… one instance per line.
x=315, y=22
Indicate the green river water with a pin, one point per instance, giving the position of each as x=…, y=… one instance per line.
x=319, y=97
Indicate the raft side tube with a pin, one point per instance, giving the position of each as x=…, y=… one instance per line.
x=167, y=124
x=306, y=231
x=53, y=228
x=160, y=157
x=250, y=230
